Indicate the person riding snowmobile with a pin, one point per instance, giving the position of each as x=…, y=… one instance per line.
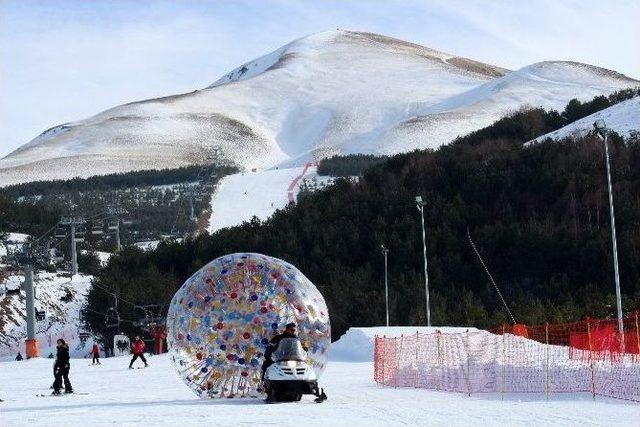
x=289, y=332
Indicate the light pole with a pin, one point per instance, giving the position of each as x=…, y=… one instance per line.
x=385, y=251
x=601, y=129
x=420, y=205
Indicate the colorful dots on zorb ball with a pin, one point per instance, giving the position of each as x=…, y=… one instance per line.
x=222, y=318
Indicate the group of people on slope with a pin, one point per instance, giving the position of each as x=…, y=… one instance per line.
x=62, y=364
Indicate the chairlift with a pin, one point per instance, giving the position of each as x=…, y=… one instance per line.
x=60, y=233
x=97, y=228
x=83, y=337
x=112, y=318
x=40, y=315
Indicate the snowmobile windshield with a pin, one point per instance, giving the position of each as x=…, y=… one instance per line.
x=289, y=349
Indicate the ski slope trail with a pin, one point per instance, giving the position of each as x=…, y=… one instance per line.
x=240, y=197
x=156, y=396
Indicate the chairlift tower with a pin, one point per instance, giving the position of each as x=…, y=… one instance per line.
x=114, y=224
x=72, y=221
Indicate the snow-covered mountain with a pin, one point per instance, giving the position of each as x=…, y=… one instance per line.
x=328, y=93
x=623, y=118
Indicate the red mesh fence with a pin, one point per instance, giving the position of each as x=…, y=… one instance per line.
x=588, y=356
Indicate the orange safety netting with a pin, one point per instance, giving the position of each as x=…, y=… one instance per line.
x=588, y=356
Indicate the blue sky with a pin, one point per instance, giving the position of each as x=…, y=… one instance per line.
x=66, y=60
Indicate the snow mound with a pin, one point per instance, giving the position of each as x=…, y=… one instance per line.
x=623, y=118
x=356, y=345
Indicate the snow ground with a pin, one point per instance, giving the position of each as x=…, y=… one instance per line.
x=241, y=196
x=147, y=245
x=156, y=396
x=13, y=242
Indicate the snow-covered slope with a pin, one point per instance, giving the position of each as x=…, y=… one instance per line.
x=332, y=92
x=623, y=118
x=242, y=196
x=62, y=318
x=546, y=84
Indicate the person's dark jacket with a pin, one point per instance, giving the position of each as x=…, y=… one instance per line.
x=273, y=344
x=62, y=357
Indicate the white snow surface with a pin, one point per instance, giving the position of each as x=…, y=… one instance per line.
x=328, y=93
x=147, y=245
x=62, y=318
x=623, y=118
x=240, y=197
x=13, y=242
x=156, y=396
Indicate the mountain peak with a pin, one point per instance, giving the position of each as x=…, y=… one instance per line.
x=340, y=44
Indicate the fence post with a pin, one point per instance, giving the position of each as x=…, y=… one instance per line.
x=385, y=358
x=637, y=333
x=504, y=361
x=593, y=385
x=466, y=350
x=546, y=340
x=398, y=359
x=439, y=348
x=395, y=349
x=415, y=378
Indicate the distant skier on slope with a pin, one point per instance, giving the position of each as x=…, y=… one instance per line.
x=61, y=368
x=95, y=352
x=137, y=348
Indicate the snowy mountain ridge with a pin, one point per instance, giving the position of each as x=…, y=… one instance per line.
x=336, y=92
x=623, y=118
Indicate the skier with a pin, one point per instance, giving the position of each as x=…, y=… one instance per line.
x=289, y=332
x=137, y=348
x=61, y=368
x=19, y=356
x=95, y=352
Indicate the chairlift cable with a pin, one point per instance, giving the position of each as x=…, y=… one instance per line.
x=490, y=277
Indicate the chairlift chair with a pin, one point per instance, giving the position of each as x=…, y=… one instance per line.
x=40, y=315
x=60, y=233
x=112, y=318
x=97, y=228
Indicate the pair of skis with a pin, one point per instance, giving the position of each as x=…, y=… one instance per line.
x=62, y=394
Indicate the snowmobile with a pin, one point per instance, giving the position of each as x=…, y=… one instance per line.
x=290, y=376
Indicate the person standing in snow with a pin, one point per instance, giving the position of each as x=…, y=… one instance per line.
x=61, y=368
x=137, y=348
x=95, y=352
